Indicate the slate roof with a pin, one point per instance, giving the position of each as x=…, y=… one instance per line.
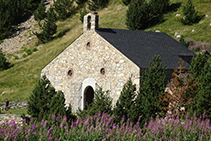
x=141, y=46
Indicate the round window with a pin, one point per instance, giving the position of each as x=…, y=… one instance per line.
x=70, y=73
x=88, y=45
x=102, y=71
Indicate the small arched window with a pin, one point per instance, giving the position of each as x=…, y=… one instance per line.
x=89, y=22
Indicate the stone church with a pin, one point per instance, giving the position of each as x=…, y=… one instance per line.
x=106, y=58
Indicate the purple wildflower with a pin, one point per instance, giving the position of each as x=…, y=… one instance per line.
x=42, y=122
x=86, y=123
x=187, y=117
x=145, y=124
x=204, y=115
x=200, y=136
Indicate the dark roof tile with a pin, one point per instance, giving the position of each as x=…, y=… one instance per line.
x=141, y=46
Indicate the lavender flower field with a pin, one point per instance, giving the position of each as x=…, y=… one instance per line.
x=198, y=47
x=101, y=127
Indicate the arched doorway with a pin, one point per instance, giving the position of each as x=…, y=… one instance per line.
x=88, y=96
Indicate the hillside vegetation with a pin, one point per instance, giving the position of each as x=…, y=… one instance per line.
x=17, y=83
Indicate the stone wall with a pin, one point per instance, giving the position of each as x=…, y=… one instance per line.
x=15, y=105
x=6, y=118
x=85, y=62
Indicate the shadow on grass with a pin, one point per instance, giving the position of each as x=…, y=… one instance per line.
x=158, y=19
x=62, y=33
x=174, y=7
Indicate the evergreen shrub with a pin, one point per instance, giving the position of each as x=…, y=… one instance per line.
x=201, y=71
x=191, y=16
x=183, y=42
x=138, y=16
x=46, y=101
x=125, y=102
x=152, y=87
x=40, y=14
x=82, y=14
x=49, y=27
x=64, y=8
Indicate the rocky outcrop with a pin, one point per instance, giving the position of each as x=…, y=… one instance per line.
x=7, y=118
x=15, y=105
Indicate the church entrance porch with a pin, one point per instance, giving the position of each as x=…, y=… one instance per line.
x=88, y=96
x=86, y=93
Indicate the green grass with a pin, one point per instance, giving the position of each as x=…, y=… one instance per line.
x=15, y=111
x=18, y=82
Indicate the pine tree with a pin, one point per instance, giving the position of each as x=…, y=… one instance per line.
x=151, y=88
x=138, y=15
x=202, y=100
x=48, y=28
x=197, y=64
x=3, y=61
x=183, y=42
x=64, y=8
x=45, y=101
x=182, y=89
x=40, y=14
x=97, y=4
x=158, y=6
x=81, y=2
x=102, y=102
x=82, y=14
x=191, y=16
x=201, y=71
x=126, y=2
x=5, y=20
x=125, y=102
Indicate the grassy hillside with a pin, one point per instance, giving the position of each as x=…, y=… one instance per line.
x=17, y=83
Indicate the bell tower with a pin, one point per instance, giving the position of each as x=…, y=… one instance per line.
x=90, y=21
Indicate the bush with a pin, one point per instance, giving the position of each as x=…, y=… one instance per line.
x=152, y=87
x=46, y=101
x=201, y=71
x=80, y=2
x=158, y=6
x=125, y=102
x=138, y=15
x=16, y=57
x=48, y=27
x=63, y=8
x=183, y=42
x=28, y=51
x=101, y=102
x=35, y=49
x=82, y=14
x=191, y=16
x=24, y=55
x=40, y=14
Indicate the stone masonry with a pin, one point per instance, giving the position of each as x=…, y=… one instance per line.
x=85, y=57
